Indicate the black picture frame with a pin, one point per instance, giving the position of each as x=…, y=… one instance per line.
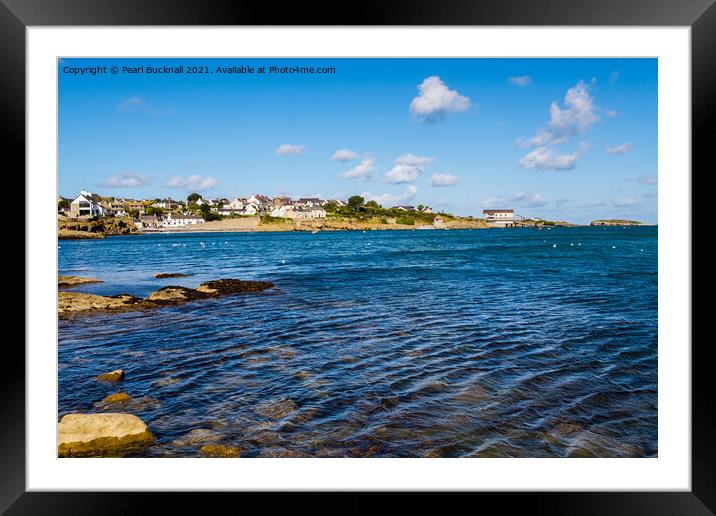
x=700, y=15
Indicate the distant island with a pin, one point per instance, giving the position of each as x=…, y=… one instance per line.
x=616, y=222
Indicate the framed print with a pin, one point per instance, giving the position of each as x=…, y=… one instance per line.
x=443, y=248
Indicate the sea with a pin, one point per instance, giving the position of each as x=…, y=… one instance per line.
x=513, y=342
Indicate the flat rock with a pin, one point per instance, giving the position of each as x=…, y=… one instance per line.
x=72, y=302
x=78, y=303
x=73, y=281
x=101, y=435
x=162, y=275
x=113, y=376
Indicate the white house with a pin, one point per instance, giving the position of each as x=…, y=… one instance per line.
x=258, y=200
x=148, y=221
x=282, y=211
x=499, y=217
x=237, y=204
x=176, y=220
x=314, y=212
x=86, y=204
x=248, y=210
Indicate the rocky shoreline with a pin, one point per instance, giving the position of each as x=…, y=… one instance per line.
x=72, y=304
x=119, y=434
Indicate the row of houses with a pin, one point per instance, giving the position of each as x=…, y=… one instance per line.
x=173, y=220
x=90, y=205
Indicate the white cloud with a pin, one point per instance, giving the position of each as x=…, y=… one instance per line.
x=546, y=158
x=362, y=170
x=625, y=202
x=530, y=200
x=523, y=200
x=131, y=103
x=344, y=155
x=565, y=123
x=195, y=183
x=619, y=149
x=440, y=179
x=412, y=160
x=521, y=80
x=575, y=118
x=435, y=101
x=387, y=199
x=647, y=180
x=136, y=103
x=402, y=174
x=407, y=168
x=290, y=149
x=125, y=180
x=611, y=113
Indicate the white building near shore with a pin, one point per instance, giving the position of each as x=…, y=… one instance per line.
x=174, y=220
x=499, y=217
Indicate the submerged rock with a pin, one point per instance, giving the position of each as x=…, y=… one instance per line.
x=73, y=281
x=197, y=436
x=276, y=409
x=162, y=275
x=116, y=398
x=220, y=450
x=114, y=376
x=101, y=435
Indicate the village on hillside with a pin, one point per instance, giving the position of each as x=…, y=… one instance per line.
x=167, y=214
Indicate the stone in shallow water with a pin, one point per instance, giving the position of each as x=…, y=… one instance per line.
x=197, y=436
x=276, y=409
x=116, y=397
x=161, y=275
x=114, y=376
x=220, y=450
x=101, y=435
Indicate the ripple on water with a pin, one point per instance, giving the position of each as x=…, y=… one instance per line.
x=425, y=344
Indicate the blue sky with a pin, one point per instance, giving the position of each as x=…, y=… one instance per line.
x=565, y=139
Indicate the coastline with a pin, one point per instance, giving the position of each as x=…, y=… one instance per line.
x=255, y=225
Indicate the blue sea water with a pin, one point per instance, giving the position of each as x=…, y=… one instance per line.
x=460, y=343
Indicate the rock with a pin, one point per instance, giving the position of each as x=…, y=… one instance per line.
x=77, y=303
x=276, y=409
x=175, y=295
x=73, y=281
x=74, y=302
x=101, y=435
x=197, y=436
x=224, y=287
x=116, y=398
x=162, y=275
x=70, y=234
x=282, y=453
x=114, y=376
x=220, y=450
